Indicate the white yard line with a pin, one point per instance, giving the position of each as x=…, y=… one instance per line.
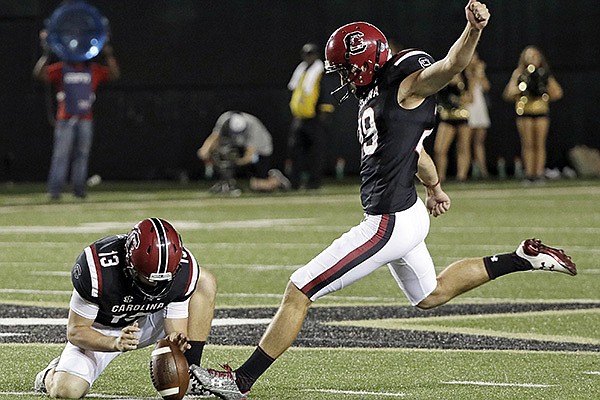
x=32, y=321
x=99, y=227
x=511, y=229
x=477, y=383
x=88, y=396
x=357, y=393
x=338, y=297
x=248, y=295
x=33, y=291
x=257, y=295
x=487, y=248
x=63, y=321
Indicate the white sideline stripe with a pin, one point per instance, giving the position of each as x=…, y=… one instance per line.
x=502, y=248
x=592, y=372
x=63, y=321
x=257, y=295
x=51, y=273
x=453, y=248
x=33, y=291
x=32, y=321
x=181, y=225
x=280, y=224
x=331, y=297
x=240, y=321
x=87, y=396
x=510, y=229
x=590, y=270
x=357, y=393
x=255, y=267
x=222, y=245
x=9, y=334
x=251, y=267
x=476, y=383
x=228, y=245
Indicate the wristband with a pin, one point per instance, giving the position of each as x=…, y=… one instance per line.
x=432, y=186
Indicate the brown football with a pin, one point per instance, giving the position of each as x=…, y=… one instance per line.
x=169, y=370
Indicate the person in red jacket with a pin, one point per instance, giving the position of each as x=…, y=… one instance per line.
x=75, y=85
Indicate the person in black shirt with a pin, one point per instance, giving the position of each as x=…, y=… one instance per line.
x=396, y=113
x=453, y=123
x=129, y=291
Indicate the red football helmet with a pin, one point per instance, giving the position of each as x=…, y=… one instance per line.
x=356, y=51
x=153, y=251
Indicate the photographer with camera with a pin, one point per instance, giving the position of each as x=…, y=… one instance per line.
x=532, y=87
x=240, y=140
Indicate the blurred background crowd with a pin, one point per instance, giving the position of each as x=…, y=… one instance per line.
x=183, y=63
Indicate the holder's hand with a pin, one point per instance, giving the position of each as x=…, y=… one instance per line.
x=180, y=340
x=128, y=339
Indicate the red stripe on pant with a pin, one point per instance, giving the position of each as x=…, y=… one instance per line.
x=382, y=235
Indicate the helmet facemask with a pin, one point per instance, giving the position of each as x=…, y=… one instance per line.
x=149, y=288
x=348, y=75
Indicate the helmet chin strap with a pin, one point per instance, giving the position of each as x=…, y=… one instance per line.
x=377, y=54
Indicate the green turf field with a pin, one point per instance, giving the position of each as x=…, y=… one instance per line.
x=253, y=243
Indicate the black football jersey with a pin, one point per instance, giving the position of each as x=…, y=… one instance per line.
x=391, y=137
x=99, y=277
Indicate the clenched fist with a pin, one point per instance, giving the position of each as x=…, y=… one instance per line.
x=477, y=14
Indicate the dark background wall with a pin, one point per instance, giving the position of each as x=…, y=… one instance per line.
x=184, y=62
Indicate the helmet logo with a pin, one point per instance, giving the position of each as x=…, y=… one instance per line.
x=77, y=271
x=354, y=42
x=133, y=241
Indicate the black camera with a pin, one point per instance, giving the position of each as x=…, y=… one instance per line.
x=224, y=157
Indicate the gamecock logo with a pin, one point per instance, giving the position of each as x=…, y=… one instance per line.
x=132, y=242
x=354, y=42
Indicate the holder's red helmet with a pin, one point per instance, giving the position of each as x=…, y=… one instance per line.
x=153, y=251
x=356, y=51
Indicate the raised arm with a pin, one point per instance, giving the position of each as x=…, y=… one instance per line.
x=39, y=70
x=429, y=81
x=111, y=62
x=208, y=146
x=511, y=91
